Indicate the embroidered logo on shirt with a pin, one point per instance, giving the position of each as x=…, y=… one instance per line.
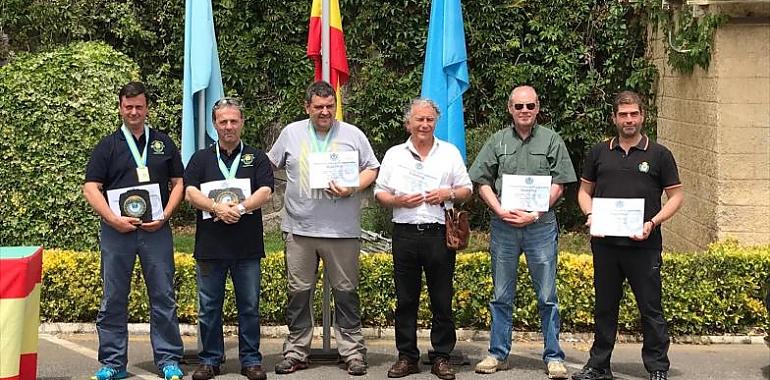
x=644, y=167
x=157, y=147
x=247, y=159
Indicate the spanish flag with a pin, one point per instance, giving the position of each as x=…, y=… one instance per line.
x=338, y=59
x=21, y=269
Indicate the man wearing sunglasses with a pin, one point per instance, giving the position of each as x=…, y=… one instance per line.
x=228, y=183
x=525, y=148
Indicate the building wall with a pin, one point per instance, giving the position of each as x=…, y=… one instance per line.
x=717, y=124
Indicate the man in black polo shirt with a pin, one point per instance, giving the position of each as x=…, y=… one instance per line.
x=629, y=166
x=134, y=182
x=228, y=183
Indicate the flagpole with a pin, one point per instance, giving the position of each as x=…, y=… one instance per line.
x=325, y=48
x=201, y=128
x=326, y=76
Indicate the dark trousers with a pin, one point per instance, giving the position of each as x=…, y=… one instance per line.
x=641, y=266
x=418, y=248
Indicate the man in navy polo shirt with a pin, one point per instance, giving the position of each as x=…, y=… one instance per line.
x=629, y=166
x=228, y=183
x=134, y=182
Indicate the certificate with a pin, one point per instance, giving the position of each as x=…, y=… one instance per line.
x=617, y=216
x=415, y=178
x=226, y=191
x=525, y=192
x=340, y=167
x=152, y=211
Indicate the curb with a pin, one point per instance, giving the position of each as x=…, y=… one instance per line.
x=56, y=328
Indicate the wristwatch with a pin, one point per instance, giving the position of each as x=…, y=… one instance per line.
x=451, y=194
x=241, y=208
x=537, y=217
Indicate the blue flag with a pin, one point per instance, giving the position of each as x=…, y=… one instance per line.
x=201, y=72
x=445, y=75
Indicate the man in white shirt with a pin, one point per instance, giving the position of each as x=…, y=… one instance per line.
x=417, y=178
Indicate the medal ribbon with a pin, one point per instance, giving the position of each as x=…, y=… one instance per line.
x=319, y=146
x=141, y=161
x=229, y=173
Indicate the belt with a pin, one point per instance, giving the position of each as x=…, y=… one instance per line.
x=424, y=227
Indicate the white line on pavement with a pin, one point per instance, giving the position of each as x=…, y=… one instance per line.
x=137, y=372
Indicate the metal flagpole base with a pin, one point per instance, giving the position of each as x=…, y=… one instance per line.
x=319, y=355
x=456, y=358
x=326, y=354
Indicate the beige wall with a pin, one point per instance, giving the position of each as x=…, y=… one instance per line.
x=717, y=124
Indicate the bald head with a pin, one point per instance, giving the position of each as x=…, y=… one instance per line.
x=526, y=91
x=524, y=106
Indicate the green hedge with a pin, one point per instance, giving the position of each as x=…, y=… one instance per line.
x=719, y=291
x=54, y=108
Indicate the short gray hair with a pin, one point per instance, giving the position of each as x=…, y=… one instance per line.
x=418, y=102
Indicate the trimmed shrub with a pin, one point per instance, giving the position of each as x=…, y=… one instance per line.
x=719, y=291
x=54, y=108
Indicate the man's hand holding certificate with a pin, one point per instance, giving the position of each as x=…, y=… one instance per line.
x=617, y=217
x=338, y=167
x=526, y=192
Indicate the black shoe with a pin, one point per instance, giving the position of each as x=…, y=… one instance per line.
x=289, y=365
x=442, y=369
x=659, y=375
x=356, y=367
x=403, y=367
x=254, y=372
x=589, y=373
x=205, y=372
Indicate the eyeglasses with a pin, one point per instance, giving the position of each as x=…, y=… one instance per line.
x=520, y=106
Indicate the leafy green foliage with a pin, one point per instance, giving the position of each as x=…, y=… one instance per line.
x=577, y=54
x=713, y=292
x=688, y=38
x=54, y=108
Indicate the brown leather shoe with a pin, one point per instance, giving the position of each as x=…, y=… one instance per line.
x=442, y=369
x=205, y=372
x=254, y=372
x=403, y=367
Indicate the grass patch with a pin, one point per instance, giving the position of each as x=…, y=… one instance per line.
x=184, y=240
x=573, y=242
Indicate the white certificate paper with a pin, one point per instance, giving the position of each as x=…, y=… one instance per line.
x=340, y=167
x=617, y=216
x=113, y=199
x=525, y=192
x=415, y=178
x=244, y=184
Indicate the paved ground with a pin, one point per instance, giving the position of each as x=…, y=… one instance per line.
x=74, y=357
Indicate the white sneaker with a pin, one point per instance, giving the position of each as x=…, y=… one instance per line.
x=490, y=364
x=556, y=370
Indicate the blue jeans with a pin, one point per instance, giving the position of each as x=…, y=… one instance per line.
x=538, y=241
x=118, y=254
x=211, y=276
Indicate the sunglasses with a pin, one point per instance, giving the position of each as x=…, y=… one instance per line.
x=520, y=106
x=228, y=101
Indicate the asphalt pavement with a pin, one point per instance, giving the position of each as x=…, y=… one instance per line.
x=64, y=357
